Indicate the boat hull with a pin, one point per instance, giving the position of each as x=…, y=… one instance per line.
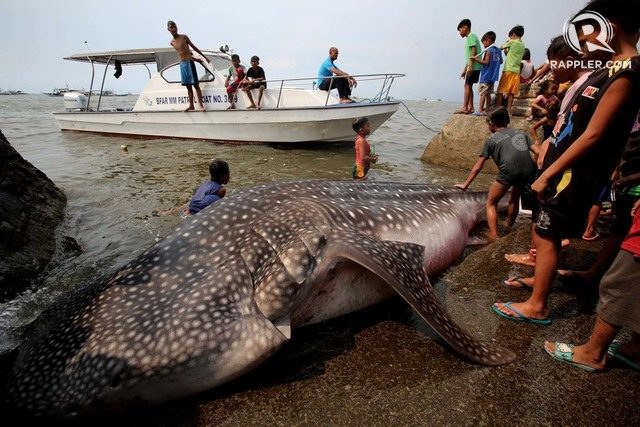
x=289, y=125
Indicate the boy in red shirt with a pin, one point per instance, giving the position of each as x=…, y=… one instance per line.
x=234, y=80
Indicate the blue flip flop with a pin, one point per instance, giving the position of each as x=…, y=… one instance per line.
x=612, y=351
x=564, y=353
x=520, y=317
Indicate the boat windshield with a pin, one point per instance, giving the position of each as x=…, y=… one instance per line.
x=171, y=74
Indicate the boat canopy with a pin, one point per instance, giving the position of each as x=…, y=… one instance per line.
x=162, y=57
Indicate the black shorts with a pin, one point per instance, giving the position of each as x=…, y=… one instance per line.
x=565, y=207
x=621, y=208
x=472, y=78
x=256, y=85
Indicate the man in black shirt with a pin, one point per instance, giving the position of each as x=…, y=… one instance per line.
x=255, y=80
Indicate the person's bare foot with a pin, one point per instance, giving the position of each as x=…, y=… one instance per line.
x=202, y=109
x=231, y=107
x=581, y=356
x=491, y=237
x=251, y=106
x=576, y=277
x=528, y=259
x=523, y=308
x=188, y=109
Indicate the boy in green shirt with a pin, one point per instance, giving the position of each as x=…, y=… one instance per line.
x=510, y=80
x=471, y=71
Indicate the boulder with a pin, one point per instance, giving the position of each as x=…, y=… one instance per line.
x=460, y=141
x=31, y=207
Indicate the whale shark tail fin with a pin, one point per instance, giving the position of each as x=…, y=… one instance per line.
x=400, y=265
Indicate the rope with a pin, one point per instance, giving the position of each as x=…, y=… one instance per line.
x=416, y=119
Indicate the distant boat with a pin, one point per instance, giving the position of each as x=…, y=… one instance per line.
x=60, y=91
x=12, y=92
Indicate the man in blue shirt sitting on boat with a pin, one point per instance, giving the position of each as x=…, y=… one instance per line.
x=344, y=82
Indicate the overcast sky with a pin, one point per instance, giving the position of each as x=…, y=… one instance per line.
x=414, y=37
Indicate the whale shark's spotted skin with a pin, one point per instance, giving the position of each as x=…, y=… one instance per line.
x=218, y=296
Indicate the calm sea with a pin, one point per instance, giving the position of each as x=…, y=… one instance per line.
x=120, y=203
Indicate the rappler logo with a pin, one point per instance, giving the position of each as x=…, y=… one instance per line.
x=594, y=29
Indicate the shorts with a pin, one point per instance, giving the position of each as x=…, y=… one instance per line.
x=620, y=293
x=621, y=208
x=188, y=74
x=509, y=83
x=472, y=78
x=565, y=206
x=359, y=171
x=530, y=201
x=256, y=85
x=604, y=195
x=485, y=89
x=232, y=88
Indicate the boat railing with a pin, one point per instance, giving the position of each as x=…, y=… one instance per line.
x=382, y=94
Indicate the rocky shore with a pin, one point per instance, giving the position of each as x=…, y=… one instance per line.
x=459, y=142
x=31, y=207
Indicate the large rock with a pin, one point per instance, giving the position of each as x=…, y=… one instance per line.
x=460, y=141
x=31, y=207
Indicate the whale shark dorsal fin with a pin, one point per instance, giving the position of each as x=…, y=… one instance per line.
x=401, y=266
x=284, y=326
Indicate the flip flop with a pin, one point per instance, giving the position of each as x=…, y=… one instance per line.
x=522, y=283
x=520, y=317
x=564, y=353
x=591, y=238
x=461, y=112
x=612, y=351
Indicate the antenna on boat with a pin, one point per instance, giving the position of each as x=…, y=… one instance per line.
x=87, y=45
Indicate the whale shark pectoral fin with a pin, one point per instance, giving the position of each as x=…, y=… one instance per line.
x=400, y=265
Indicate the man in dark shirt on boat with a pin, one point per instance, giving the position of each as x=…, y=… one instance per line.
x=255, y=80
x=343, y=82
x=189, y=76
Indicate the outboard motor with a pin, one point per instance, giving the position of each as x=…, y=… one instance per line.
x=75, y=101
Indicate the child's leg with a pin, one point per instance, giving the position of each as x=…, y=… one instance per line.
x=470, y=107
x=547, y=250
x=261, y=91
x=190, y=93
x=499, y=97
x=482, y=102
x=594, y=213
x=467, y=95
x=496, y=191
x=510, y=102
x=248, y=91
x=199, y=94
x=514, y=206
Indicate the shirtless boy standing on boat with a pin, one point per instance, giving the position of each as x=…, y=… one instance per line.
x=189, y=77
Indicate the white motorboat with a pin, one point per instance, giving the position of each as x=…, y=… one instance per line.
x=292, y=111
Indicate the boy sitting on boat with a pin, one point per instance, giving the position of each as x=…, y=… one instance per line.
x=237, y=74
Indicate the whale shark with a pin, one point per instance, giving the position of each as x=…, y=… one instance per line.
x=223, y=292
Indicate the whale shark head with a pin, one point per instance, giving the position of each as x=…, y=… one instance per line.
x=221, y=294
